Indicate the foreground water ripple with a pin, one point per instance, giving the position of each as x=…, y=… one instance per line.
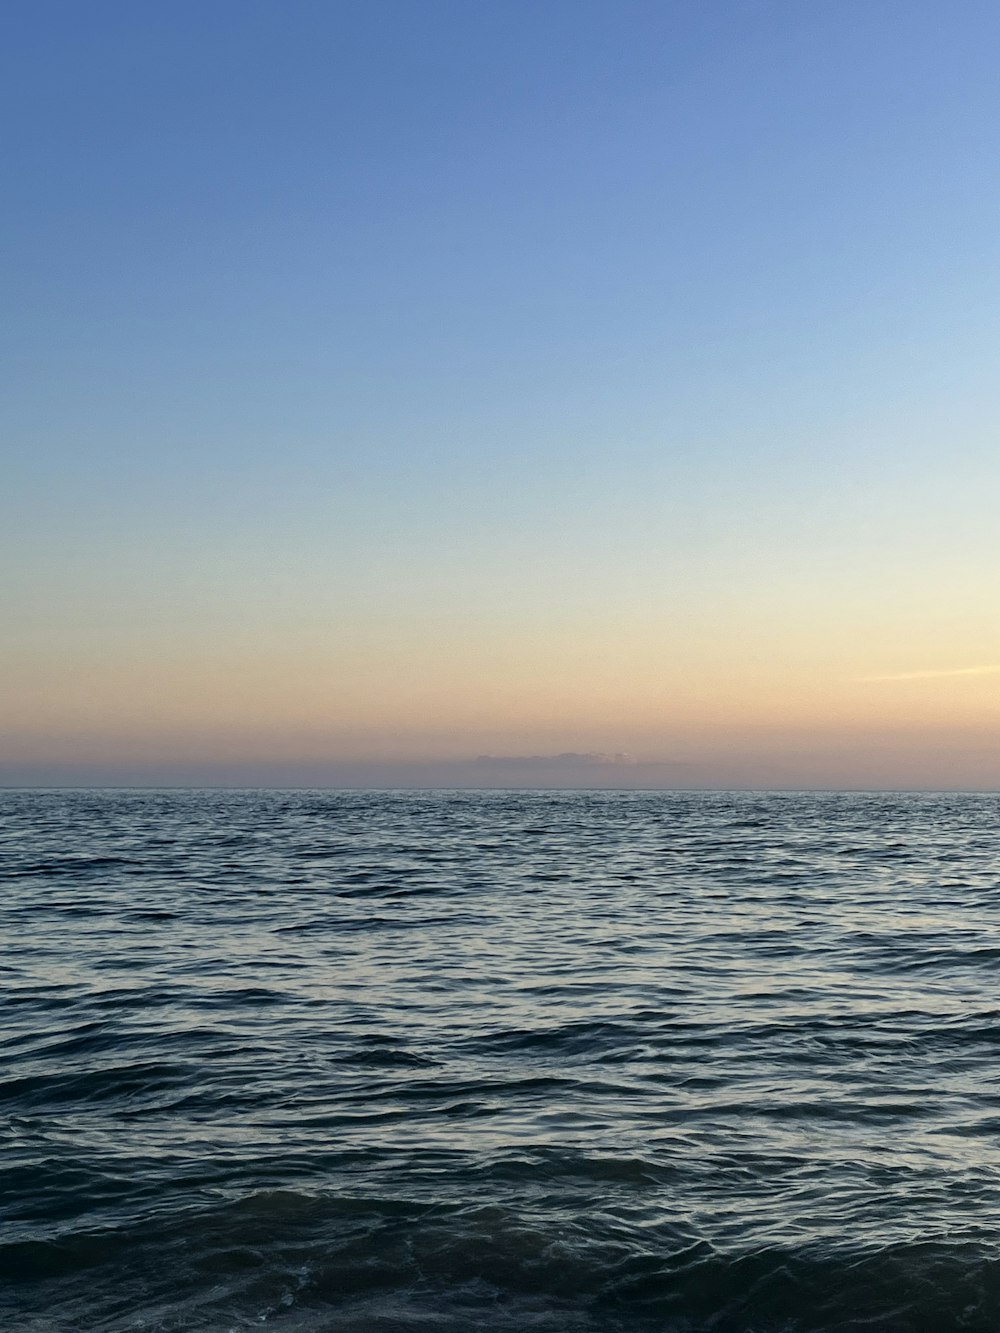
x=387, y=1062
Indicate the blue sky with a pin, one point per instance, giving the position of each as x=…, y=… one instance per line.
x=610, y=344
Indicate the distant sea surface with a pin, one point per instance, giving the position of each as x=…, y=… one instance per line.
x=567, y=1062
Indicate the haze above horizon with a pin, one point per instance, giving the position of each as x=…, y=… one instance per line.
x=581, y=393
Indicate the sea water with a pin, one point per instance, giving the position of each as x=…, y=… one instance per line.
x=385, y=1062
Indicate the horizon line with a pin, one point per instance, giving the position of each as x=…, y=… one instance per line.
x=618, y=791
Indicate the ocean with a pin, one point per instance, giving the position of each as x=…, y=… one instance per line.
x=403, y=1062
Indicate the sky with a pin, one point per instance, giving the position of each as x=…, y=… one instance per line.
x=527, y=392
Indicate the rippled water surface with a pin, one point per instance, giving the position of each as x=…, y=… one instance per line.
x=573, y=1062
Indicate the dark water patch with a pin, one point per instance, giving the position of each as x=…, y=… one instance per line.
x=121, y=1084
x=379, y=1057
x=586, y=1038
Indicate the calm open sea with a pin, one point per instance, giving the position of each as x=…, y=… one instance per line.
x=368, y=1062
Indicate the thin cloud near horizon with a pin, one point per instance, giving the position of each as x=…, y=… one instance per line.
x=942, y=674
x=565, y=757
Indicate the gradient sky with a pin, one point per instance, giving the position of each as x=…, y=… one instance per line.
x=394, y=383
